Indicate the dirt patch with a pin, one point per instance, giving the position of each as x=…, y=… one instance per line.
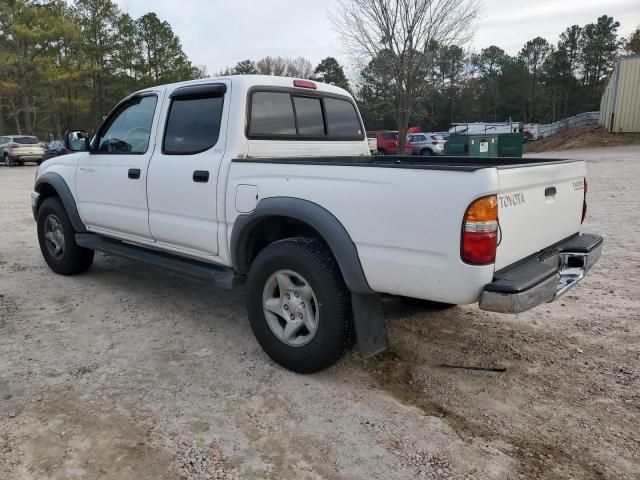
x=150, y=376
x=583, y=137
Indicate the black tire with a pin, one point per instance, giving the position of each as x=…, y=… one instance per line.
x=74, y=259
x=382, y=152
x=334, y=335
x=8, y=161
x=426, y=152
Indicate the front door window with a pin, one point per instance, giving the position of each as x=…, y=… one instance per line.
x=129, y=130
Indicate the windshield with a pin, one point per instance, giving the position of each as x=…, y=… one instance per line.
x=26, y=140
x=390, y=136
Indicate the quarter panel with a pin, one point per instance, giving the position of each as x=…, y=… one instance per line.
x=405, y=223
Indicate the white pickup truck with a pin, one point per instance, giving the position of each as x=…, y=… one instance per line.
x=268, y=181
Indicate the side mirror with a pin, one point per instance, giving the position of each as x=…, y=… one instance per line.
x=77, y=141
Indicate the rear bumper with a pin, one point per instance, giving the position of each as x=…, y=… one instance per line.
x=28, y=157
x=543, y=277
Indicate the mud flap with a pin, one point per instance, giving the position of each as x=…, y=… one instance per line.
x=368, y=319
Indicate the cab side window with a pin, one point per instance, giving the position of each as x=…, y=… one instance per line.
x=128, y=131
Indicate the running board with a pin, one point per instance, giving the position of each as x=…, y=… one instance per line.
x=223, y=277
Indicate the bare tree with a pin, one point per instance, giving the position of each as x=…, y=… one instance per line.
x=299, y=67
x=408, y=34
x=287, y=67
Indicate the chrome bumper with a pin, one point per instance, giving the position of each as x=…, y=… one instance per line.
x=543, y=278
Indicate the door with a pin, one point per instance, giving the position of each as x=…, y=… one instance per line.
x=183, y=174
x=111, y=178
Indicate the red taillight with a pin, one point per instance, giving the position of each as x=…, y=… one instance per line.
x=305, y=84
x=436, y=143
x=584, y=201
x=479, y=240
x=14, y=145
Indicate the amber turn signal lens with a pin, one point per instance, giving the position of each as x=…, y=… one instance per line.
x=479, y=240
x=484, y=209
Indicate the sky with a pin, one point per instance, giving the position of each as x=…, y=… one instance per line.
x=219, y=33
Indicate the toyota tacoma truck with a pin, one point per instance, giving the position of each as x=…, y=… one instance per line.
x=268, y=182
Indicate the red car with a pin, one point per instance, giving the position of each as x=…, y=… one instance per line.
x=388, y=142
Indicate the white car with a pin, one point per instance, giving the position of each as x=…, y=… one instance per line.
x=268, y=181
x=18, y=149
x=426, y=144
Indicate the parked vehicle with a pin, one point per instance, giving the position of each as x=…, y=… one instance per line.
x=427, y=144
x=55, y=148
x=18, y=149
x=224, y=180
x=387, y=142
x=373, y=143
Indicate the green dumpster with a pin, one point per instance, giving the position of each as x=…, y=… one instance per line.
x=485, y=145
x=510, y=144
x=472, y=146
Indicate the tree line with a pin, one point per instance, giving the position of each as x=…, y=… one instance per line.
x=542, y=83
x=65, y=65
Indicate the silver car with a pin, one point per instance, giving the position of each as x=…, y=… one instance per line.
x=17, y=149
x=427, y=144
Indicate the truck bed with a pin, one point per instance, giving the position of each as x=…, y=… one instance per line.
x=469, y=164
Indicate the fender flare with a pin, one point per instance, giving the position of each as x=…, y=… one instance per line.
x=58, y=183
x=317, y=217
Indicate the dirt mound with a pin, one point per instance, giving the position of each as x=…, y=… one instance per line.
x=583, y=137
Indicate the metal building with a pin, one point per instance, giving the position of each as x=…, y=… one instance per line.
x=620, y=104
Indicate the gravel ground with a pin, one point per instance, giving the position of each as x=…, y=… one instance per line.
x=129, y=372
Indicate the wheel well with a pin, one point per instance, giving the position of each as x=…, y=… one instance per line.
x=274, y=228
x=46, y=191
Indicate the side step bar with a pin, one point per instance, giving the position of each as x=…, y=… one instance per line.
x=223, y=277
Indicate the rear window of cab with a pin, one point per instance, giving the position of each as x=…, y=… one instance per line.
x=293, y=115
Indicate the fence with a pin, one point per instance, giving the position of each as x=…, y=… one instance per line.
x=580, y=120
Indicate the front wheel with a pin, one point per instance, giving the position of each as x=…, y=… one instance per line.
x=57, y=240
x=299, y=307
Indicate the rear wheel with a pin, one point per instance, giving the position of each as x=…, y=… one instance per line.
x=8, y=161
x=299, y=307
x=57, y=240
x=426, y=152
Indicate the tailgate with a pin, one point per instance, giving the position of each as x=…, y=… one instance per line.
x=538, y=206
x=29, y=150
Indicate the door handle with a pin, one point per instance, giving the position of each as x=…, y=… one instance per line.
x=201, y=176
x=134, y=173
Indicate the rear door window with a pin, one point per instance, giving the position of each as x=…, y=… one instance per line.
x=272, y=114
x=193, y=124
